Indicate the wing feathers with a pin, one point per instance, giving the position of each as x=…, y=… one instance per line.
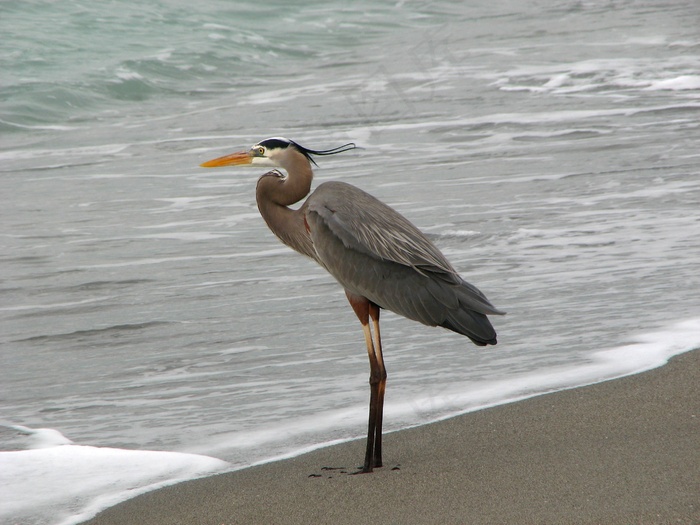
x=375, y=252
x=366, y=224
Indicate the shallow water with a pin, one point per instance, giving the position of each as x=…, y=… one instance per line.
x=549, y=151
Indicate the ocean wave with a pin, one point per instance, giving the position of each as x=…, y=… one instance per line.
x=81, y=335
x=605, y=76
x=35, y=483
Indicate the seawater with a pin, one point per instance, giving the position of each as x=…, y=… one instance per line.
x=152, y=329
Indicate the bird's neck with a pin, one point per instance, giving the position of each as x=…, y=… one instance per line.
x=297, y=184
x=274, y=195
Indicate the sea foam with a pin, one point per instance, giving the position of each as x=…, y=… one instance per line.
x=56, y=481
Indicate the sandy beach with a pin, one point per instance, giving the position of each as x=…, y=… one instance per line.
x=620, y=452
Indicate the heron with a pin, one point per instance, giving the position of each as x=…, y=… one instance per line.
x=377, y=255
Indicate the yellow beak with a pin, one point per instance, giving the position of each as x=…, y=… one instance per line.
x=234, y=159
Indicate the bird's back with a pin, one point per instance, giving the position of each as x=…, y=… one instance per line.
x=375, y=252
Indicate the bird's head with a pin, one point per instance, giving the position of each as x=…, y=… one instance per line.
x=272, y=152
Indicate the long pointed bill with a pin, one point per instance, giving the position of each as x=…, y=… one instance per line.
x=234, y=159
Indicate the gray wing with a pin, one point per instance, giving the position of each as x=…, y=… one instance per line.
x=374, y=251
x=366, y=224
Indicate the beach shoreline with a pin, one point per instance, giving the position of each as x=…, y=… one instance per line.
x=617, y=452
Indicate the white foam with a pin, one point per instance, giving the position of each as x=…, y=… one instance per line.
x=610, y=75
x=645, y=352
x=80, y=151
x=126, y=74
x=48, y=127
x=642, y=353
x=60, y=483
x=548, y=117
x=49, y=306
x=56, y=482
x=681, y=83
x=42, y=437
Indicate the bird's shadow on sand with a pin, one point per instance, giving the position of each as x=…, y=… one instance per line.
x=328, y=472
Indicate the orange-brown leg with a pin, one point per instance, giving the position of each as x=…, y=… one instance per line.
x=374, y=314
x=364, y=308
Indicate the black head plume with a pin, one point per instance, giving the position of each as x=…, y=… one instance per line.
x=279, y=142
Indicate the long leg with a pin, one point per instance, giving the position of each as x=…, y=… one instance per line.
x=374, y=314
x=377, y=380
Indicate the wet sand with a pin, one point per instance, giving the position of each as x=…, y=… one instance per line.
x=621, y=452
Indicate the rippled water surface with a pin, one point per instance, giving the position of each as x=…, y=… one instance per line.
x=550, y=150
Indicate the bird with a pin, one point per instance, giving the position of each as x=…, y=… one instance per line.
x=377, y=255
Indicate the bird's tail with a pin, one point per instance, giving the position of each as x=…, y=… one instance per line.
x=474, y=325
x=469, y=318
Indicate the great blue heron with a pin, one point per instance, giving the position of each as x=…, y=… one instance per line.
x=376, y=254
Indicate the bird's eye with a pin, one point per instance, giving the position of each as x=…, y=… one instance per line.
x=261, y=151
